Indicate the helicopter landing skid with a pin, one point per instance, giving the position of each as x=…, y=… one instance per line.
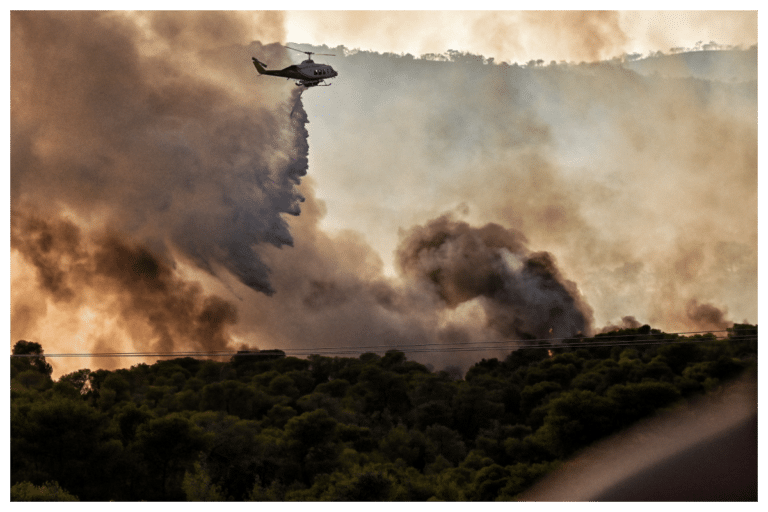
x=303, y=84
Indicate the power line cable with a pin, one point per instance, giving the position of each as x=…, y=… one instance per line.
x=655, y=338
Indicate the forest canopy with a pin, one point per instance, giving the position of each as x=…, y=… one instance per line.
x=262, y=426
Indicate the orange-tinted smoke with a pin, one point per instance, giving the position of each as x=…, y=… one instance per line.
x=141, y=142
x=150, y=143
x=142, y=288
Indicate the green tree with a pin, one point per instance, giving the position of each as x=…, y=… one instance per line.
x=32, y=379
x=114, y=389
x=638, y=399
x=188, y=400
x=432, y=387
x=533, y=394
x=382, y=389
x=275, y=492
x=409, y=445
x=198, y=487
x=311, y=429
x=234, y=456
x=473, y=410
x=129, y=418
x=49, y=491
x=170, y=445
x=79, y=380
x=680, y=355
x=575, y=419
x=488, y=482
x=442, y=441
x=337, y=388
x=590, y=380
x=367, y=486
x=63, y=440
x=360, y=438
x=283, y=385
x=29, y=356
x=436, y=412
x=279, y=415
x=303, y=380
x=522, y=476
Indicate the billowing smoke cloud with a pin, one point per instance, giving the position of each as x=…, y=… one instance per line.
x=151, y=144
x=629, y=180
x=142, y=291
x=141, y=142
x=523, y=293
x=461, y=291
x=627, y=322
x=152, y=170
x=707, y=316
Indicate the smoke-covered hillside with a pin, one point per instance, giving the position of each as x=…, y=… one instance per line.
x=448, y=199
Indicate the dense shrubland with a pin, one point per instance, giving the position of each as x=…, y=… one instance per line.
x=268, y=427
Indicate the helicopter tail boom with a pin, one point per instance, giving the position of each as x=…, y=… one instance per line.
x=260, y=66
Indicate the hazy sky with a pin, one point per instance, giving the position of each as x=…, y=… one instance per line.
x=165, y=197
x=521, y=36
x=506, y=37
x=363, y=193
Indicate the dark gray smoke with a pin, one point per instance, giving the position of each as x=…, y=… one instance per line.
x=707, y=316
x=145, y=146
x=167, y=137
x=524, y=294
x=459, y=287
x=627, y=322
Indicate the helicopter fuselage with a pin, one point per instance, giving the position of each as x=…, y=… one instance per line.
x=313, y=73
x=307, y=74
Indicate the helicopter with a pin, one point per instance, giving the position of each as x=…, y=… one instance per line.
x=307, y=74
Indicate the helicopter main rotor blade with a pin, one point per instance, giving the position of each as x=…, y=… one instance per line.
x=309, y=53
x=294, y=49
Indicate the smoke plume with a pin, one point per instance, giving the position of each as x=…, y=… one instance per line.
x=641, y=185
x=141, y=290
x=144, y=145
x=523, y=294
x=453, y=202
x=460, y=289
x=627, y=322
x=707, y=316
x=150, y=143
